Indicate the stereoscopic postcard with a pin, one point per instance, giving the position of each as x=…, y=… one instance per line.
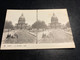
x=37, y=29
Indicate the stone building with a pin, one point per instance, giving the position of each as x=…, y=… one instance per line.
x=21, y=23
x=54, y=22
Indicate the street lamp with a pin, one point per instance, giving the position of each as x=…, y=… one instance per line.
x=37, y=28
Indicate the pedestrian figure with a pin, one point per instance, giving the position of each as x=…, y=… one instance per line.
x=12, y=36
x=8, y=36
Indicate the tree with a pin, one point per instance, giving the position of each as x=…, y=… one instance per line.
x=8, y=25
x=39, y=24
x=67, y=24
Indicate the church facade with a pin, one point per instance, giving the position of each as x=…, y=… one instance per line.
x=21, y=23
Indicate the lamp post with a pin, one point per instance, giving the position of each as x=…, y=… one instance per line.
x=37, y=28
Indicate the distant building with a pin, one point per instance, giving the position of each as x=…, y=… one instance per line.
x=21, y=23
x=54, y=22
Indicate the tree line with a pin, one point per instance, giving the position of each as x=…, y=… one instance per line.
x=36, y=25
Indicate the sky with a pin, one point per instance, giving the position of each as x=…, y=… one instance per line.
x=43, y=15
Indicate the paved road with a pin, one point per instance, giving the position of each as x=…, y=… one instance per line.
x=26, y=37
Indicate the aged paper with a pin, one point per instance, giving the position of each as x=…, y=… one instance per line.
x=37, y=29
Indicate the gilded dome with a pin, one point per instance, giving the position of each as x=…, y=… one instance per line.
x=21, y=19
x=54, y=18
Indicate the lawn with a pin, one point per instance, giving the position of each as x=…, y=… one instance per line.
x=57, y=36
x=23, y=37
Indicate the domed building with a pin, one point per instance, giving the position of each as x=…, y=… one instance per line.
x=21, y=23
x=54, y=22
x=54, y=19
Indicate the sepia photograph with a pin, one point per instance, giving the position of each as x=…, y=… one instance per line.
x=37, y=29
